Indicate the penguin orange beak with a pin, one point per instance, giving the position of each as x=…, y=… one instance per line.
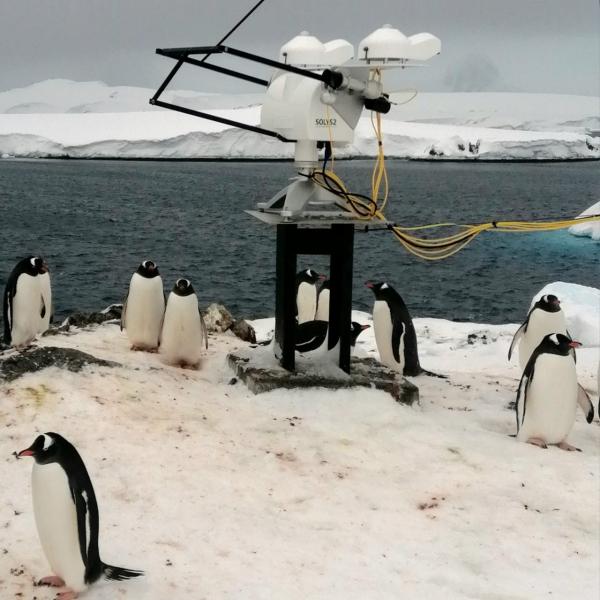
x=25, y=453
x=44, y=269
x=363, y=327
x=321, y=276
x=369, y=285
x=575, y=345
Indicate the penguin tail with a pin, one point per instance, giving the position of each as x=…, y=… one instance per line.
x=430, y=374
x=118, y=573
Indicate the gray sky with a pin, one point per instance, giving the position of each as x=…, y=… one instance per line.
x=498, y=45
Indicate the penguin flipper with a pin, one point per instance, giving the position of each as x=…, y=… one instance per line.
x=397, y=331
x=584, y=401
x=52, y=312
x=123, y=313
x=521, y=403
x=8, y=315
x=42, y=307
x=82, y=517
x=204, y=329
x=517, y=337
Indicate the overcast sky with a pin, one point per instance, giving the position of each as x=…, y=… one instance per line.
x=498, y=45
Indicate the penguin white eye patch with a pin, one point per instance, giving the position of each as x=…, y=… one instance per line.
x=554, y=338
x=48, y=441
x=385, y=286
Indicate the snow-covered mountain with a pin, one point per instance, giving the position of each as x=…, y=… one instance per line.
x=60, y=118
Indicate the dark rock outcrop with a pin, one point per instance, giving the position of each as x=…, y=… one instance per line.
x=219, y=320
x=34, y=360
x=365, y=372
x=244, y=331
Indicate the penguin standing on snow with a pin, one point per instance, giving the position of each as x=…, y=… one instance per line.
x=184, y=331
x=312, y=335
x=548, y=394
x=144, y=308
x=394, y=331
x=66, y=516
x=306, y=294
x=23, y=302
x=323, y=302
x=545, y=317
x=46, y=290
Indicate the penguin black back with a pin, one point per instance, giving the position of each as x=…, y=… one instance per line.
x=32, y=266
x=401, y=321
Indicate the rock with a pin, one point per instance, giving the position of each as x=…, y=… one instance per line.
x=217, y=318
x=112, y=313
x=365, y=372
x=244, y=331
x=41, y=358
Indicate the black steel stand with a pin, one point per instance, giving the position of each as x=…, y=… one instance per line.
x=336, y=242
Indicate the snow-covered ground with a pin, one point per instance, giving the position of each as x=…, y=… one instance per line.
x=591, y=229
x=91, y=120
x=217, y=493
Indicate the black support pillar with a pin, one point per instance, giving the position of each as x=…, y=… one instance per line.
x=336, y=242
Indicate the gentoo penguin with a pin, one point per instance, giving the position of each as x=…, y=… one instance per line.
x=306, y=294
x=184, y=331
x=46, y=289
x=66, y=516
x=394, y=331
x=548, y=394
x=23, y=302
x=311, y=335
x=545, y=317
x=144, y=308
x=323, y=302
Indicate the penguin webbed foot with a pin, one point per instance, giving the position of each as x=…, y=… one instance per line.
x=66, y=595
x=564, y=445
x=537, y=442
x=51, y=581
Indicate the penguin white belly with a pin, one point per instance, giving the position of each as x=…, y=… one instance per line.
x=306, y=302
x=323, y=306
x=26, y=310
x=46, y=291
x=56, y=521
x=541, y=323
x=551, y=400
x=382, y=324
x=145, y=309
x=182, y=334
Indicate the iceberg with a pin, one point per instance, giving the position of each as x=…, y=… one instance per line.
x=590, y=229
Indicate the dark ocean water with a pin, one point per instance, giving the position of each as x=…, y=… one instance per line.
x=95, y=221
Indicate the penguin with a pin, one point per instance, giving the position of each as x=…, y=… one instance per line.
x=23, y=302
x=46, y=290
x=545, y=317
x=311, y=336
x=548, y=394
x=144, y=308
x=323, y=302
x=66, y=517
x=306, y=294
x=183, y=331
x=394, y=331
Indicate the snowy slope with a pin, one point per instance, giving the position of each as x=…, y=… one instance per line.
x=591, y=229
x=60, y=118
x=217, y=493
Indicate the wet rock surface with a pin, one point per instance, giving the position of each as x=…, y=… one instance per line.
x=36, y=359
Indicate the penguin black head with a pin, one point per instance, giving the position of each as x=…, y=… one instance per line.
x=356, y=330
x=557, y=343
x=148, y=269
x=381, y=290
x=549, y=303
x=45, y=449
x=34, y=265
x=308, y=276
x=183, y=287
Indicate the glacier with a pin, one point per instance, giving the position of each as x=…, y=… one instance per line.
x=61, y=118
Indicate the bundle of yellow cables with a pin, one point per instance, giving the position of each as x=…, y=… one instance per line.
x=437, y=248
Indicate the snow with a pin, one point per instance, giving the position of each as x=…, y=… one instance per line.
x=217, y=493
x=60, y=118
x=591, y=229
x=581, y=305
